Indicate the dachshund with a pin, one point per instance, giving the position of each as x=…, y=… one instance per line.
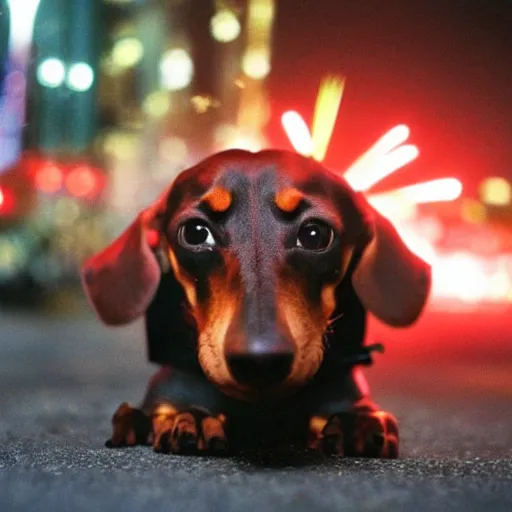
x=255, y=274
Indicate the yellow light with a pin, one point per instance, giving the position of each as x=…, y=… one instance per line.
x=256, y=63
x=120, y=145
x=260, y=13
x=473, y=211
x=202, y=103
x=326, y=112
x=496, y=191
x=174, y=150
x=127, y=52
x=9, y=255
x=66, y=211
x=224, y=26
x=298, y=132
x=176, y=69
x=157, y=104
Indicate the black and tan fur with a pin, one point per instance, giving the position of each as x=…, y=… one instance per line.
x=259, y=338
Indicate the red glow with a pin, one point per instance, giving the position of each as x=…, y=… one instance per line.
x=49, y=178
x=7, y=201
x=83, y=182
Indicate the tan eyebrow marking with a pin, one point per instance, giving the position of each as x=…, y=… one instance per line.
x=218, y=199
x=288, y=199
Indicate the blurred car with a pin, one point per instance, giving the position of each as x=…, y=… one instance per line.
x=51, y=218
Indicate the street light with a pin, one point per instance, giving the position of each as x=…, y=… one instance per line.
x=21, y=20
x=51, y=72
x=80, y=77
x=176, y=69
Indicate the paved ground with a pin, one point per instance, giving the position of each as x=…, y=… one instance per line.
x=449, y=383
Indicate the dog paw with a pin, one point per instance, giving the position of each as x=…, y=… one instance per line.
x=361, y=434
x=130, y=426
x=192, y=431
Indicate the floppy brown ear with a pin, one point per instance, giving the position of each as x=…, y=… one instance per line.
x=390, y=280
x=121, y=280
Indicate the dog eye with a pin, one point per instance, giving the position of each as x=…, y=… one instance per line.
x=314, y=236
x=195, y=233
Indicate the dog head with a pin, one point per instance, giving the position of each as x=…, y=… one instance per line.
x=257, y=245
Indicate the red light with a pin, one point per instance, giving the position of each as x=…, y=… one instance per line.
x=7, y=201
x=49, y=178
x=84, y=182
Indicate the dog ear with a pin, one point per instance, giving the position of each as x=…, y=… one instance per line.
x=121, y=280
x=382, y=275
x=390, y=280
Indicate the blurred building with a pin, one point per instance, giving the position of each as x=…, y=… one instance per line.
x=102, y=103
x=178, y=80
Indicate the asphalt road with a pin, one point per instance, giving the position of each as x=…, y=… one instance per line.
x=448, y=380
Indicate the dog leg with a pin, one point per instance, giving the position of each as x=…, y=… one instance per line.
x=362, y=431
x=130, y=426
x=167, y=419
x=189, y=431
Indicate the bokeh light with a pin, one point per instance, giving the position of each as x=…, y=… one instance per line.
x=7, y=201
x=496, y=191
x=82, y=181
x=49, y=178
x=51, y=72
x=176, y=69
x=173, y=150
x=298, y=132
x=157, y=104
x=256, y=63
x=224, y=26
x=127, y=52
x=80, y=77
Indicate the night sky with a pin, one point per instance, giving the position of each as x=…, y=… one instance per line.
x=443, y=67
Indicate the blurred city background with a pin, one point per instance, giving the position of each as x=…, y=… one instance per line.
x=102, y=103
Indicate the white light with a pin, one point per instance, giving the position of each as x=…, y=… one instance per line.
x=80, y=77
x=298, y=132
x=176, y=69
x=173, y=150
x=157, y=104
x=256, y=64
x=22, y=17
x=51, y=72
x=127, y=52
x=224, y=26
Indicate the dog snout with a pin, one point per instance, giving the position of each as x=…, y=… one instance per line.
x=261, y=365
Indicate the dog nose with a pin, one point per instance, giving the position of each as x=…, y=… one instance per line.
x=260, y=370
